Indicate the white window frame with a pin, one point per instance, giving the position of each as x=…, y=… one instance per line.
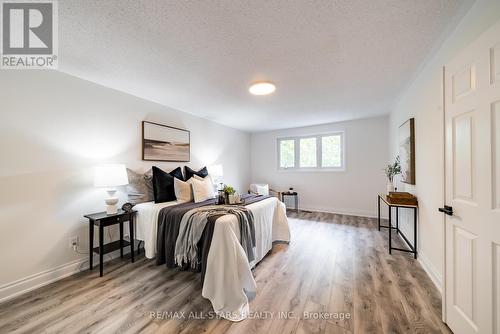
x=319, y=153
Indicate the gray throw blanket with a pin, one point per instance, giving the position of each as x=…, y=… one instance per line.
x=193, y=224
x=169, y=220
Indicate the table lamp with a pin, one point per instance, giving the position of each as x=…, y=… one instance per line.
x=215, y=171
x=111, y=176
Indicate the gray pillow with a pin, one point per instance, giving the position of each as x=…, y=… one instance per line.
x=140, y=187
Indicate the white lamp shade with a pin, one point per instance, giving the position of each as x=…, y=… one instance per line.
x=111, y=175
x=215, y=170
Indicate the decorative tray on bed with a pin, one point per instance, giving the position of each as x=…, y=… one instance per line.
x=238, y=203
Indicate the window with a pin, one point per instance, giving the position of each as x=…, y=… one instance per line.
x=307, y=152
x=331, y=151
x=287, y=153
x=320, y=152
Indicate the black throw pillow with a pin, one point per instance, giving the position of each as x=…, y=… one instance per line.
x=163, y=184
x=177, y=173
x=189, y=172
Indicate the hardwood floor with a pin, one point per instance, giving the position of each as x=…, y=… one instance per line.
x=336, y=267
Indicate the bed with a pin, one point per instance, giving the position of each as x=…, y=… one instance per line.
x=228, y=281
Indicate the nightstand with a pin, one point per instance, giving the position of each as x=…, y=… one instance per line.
x=102, y=220
x=295, y=195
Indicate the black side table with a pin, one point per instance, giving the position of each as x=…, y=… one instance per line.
x=102, y=219
x=293, y=194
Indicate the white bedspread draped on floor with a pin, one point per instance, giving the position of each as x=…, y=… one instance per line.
x=229, y=282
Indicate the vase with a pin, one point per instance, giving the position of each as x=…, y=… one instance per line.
x=390, y=187
x=232, y=199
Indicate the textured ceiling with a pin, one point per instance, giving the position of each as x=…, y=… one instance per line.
x=330, y=60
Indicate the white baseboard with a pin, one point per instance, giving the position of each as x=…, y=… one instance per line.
x=431, y=271
x=14, y=289
x=339, y=211
x=26, y=284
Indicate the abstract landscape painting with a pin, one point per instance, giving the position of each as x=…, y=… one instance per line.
x=164, y=143
x=407, y=151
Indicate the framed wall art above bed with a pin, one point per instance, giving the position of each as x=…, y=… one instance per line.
x=165, y=143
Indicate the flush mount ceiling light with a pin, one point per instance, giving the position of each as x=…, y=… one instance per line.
x=262, y=88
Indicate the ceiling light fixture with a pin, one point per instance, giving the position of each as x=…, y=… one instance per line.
x=262, y=88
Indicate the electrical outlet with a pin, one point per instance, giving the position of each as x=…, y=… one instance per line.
x=73, y=242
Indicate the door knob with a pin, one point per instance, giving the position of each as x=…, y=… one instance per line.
x=447, y=210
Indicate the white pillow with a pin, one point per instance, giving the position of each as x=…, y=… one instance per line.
x=202, y=189
x=262, y=189
x=199, y=178
x=183, y=191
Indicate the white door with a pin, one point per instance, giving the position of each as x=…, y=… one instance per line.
x=472, y=120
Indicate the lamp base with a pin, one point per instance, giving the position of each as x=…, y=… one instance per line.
x=112, y=209
x=111, y=202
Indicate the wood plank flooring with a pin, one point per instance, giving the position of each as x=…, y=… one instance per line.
x=335, y=276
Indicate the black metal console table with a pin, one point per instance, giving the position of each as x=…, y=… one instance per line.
x=413, y=248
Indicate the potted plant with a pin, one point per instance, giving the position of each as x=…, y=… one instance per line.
x=229, y=191
x=390, y=171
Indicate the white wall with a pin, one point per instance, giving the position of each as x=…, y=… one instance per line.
x=353, y=191
x=53, y=129
x=423, y=100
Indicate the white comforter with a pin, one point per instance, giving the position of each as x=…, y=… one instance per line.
x=229, y=282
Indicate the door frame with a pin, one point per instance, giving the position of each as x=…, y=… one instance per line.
x=443, y=283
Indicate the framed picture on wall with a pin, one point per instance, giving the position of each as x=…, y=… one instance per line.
x=165, y=143
x=407, y=151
